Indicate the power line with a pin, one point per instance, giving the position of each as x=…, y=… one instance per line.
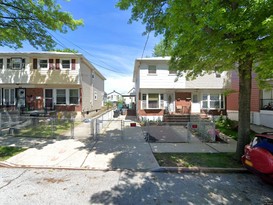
x=147, y=39
x=115, y=70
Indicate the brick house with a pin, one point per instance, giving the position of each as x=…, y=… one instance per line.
x=45, y=81
x=261, y=102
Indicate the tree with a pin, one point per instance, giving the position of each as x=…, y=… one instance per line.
x=214, y=35
x=66, y=50
x=27, y=20
x=161, y=49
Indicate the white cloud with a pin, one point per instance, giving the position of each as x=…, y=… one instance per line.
x=121, y=84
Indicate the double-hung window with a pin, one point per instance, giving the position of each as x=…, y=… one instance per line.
x=9, y=97
x=152, y=101
x=1, y=63
x=151, y=69
x=73, y=96
x=65, y=64
x=16, y=63
x=43, y=63
x=60, y=96
x=213, y=101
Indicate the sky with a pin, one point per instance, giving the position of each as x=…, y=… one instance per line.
x=107, y=40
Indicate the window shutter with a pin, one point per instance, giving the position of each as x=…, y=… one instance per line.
x=35, y=63
x=73, y=64
x=23, y=63
x=8, y=64
x=57, y=64
x=51, y=66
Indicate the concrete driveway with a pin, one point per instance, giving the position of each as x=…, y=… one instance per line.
x=109, y=151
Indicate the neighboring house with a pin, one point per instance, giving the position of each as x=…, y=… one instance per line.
x=159, y=92
x=50, y=81
x=114, y=96
x=261, y=102
x=130, y=98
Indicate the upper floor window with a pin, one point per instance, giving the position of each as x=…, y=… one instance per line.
x=172, y=72
x=65, y=64
x=1, y=63
x=43, y=63
x=16, y=63
x=152, y=69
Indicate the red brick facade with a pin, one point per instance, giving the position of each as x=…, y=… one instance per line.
x=233, y=98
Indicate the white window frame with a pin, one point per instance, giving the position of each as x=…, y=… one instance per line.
x=153, y=69
x=78, y=96
x=221, y=98
x=61, y=63
x=39, y=64
x=65, y=95
x=9, y=96
x=145, y=102
x=12, y=62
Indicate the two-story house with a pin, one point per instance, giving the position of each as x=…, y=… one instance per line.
x=261, y=106
x=160, y=92
x=50, y=81
x=114, y=96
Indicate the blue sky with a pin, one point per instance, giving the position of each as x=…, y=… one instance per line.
x=106, y=40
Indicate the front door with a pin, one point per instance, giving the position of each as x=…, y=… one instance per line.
x=21, y=97
x=183, y=102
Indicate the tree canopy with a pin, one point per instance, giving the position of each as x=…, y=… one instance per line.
x=214, y=35
x=28, y=20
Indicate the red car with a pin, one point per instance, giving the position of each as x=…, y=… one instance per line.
x=258, y=156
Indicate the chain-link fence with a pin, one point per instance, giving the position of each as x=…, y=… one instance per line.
x=204, y=130
x=29, y=126
x=14, y=124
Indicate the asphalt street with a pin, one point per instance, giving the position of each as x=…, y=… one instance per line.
x=58, y=186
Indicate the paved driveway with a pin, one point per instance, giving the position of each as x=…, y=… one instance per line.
x=110, y=151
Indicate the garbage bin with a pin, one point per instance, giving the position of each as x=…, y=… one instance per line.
x=124, y=111
x=116, y=113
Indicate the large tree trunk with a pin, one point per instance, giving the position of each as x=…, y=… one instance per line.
x=245, y=77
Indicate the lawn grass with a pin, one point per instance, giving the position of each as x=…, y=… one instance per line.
x=7, y=152
x=45, y=130
x=219, y=160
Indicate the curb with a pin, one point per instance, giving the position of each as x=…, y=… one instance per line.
x=200, y=169
x=160, y=169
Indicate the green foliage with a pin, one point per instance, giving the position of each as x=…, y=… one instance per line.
x=220, y=160
x=66, y=50
x=7, y=152
x=214, y=36
x=161, y=49
x=26, y=20
x=208, y=36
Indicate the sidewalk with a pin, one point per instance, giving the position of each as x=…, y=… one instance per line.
x=110, y=151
